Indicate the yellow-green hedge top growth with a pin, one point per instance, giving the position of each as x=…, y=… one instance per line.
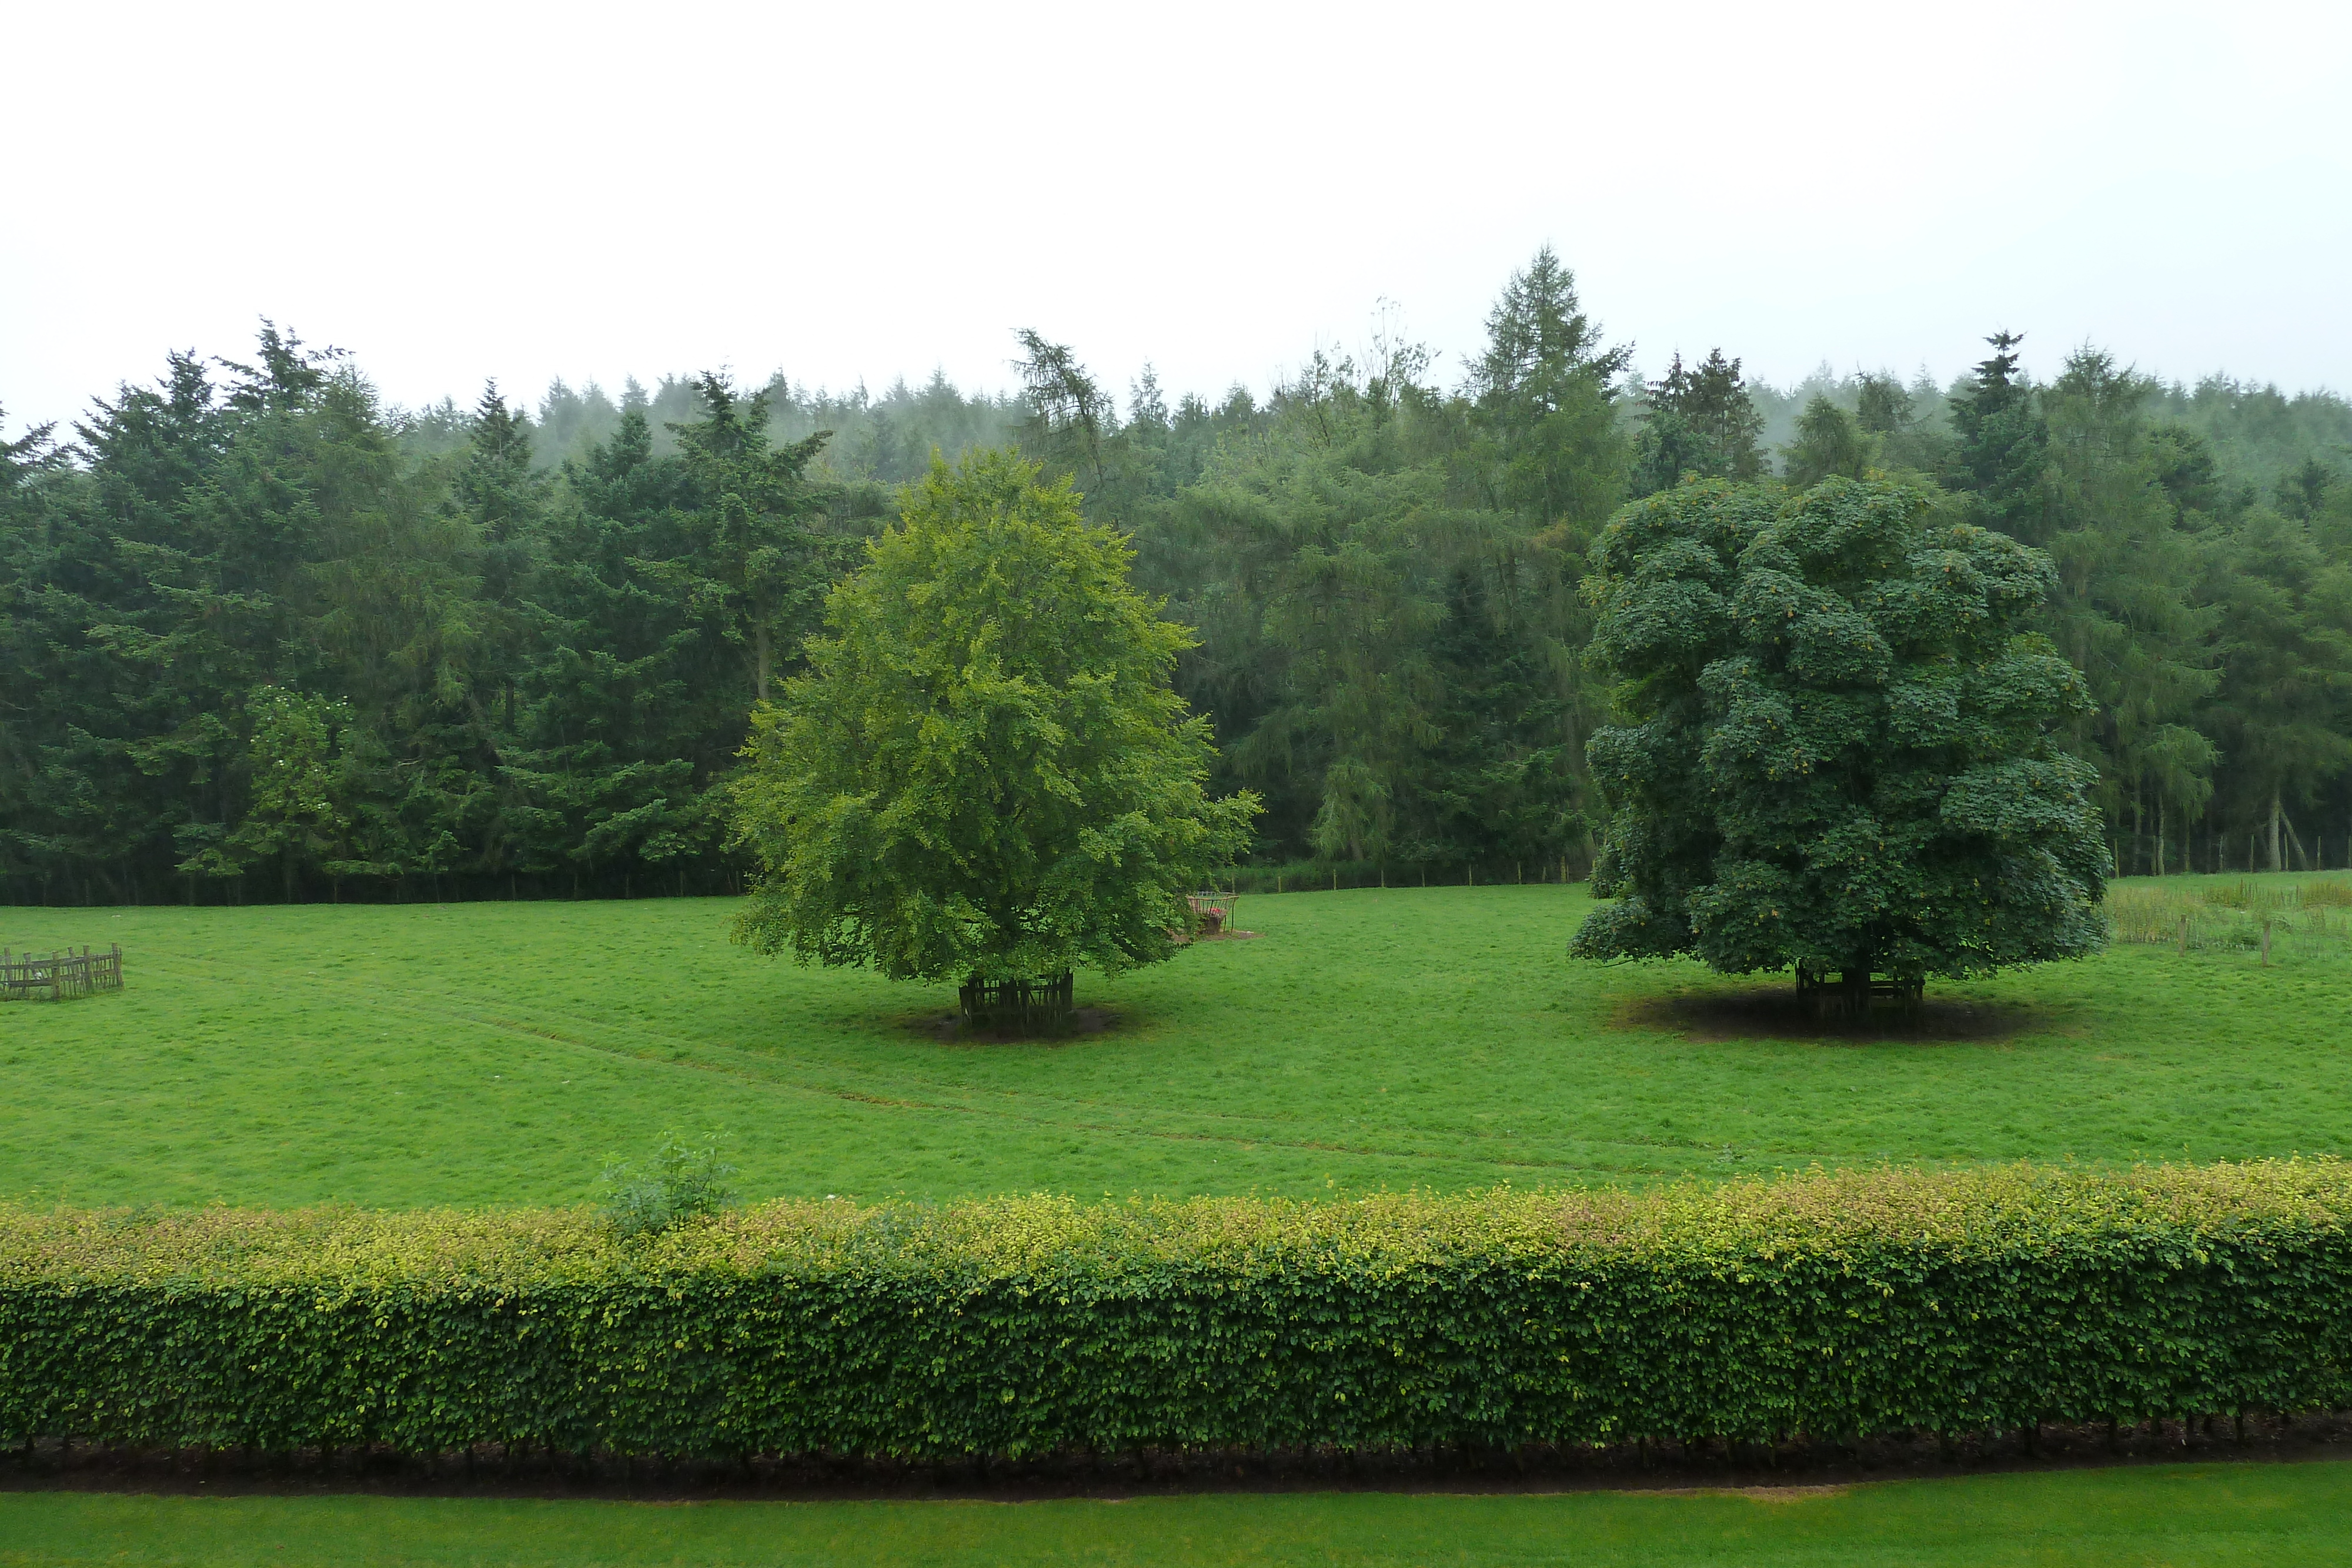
x=984, y=774
x=1847, y=1303
x=1843, y=1213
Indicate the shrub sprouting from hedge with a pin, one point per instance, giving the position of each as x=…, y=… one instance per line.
x=1846, y=1304
x=686, y=1179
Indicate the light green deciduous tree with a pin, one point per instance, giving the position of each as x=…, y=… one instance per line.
x=300, y=814
x=984, y=776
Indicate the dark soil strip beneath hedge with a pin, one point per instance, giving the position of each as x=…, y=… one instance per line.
x=488, y=1472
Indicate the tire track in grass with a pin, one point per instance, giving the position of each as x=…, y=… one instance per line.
x=764, y=1062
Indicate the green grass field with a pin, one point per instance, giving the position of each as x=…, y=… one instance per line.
x=493, y=1053
x=2274, y=1515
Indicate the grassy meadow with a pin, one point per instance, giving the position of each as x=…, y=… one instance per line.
x=498, y=1053
x=2128, y=1518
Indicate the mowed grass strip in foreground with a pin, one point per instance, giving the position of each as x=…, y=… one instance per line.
x=496, y=1053
x=2211, y=1515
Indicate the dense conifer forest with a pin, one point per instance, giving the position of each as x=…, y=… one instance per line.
x=269, y=638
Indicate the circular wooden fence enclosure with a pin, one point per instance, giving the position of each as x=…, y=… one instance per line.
x=1018, y=1006
x=60, y=977
x=1853, y=993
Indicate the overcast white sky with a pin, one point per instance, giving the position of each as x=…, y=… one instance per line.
x=460, y=191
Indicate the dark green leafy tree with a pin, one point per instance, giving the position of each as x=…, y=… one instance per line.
x=1841, y=749
x=984, y=777
x=1298, y=561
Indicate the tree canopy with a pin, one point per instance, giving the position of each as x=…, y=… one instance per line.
x=984, y=776
x=543, y=630
x=1841, y=749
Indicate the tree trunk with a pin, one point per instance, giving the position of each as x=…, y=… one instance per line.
x=2275, y=814
x=2295, y=841
x=2159, y=835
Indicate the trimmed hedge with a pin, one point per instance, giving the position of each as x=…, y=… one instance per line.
x=1832, y=1304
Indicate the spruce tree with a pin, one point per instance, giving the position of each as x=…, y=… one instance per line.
x=1718, y=406
x=634, y=700
x=1699, y=420
x=1829, y=441
x=2002, y=444
x=1541, y=402
x=759, y=547
x=1882, y=407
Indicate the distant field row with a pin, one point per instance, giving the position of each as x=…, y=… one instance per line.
x=497, y=1053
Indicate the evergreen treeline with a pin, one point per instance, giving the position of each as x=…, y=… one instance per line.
x=269, y=638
